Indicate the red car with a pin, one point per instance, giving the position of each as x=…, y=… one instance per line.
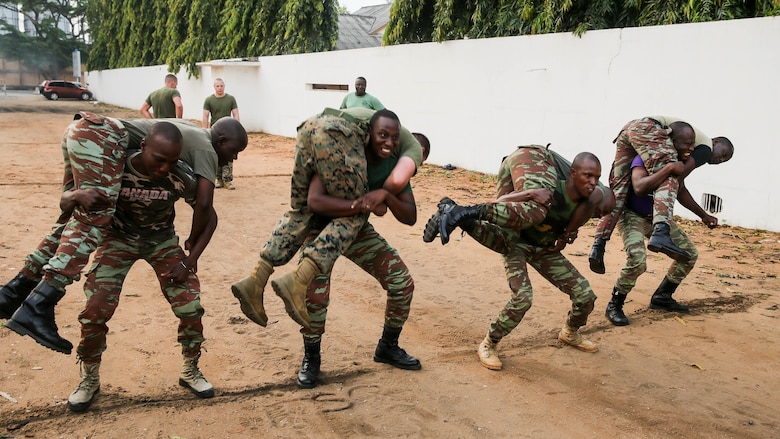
x=56, y=89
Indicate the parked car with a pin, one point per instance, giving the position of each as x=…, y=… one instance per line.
x=56, y=89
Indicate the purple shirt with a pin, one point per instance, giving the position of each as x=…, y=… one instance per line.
x=642, y=206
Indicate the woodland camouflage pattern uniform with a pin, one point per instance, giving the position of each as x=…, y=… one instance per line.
x=93, y=148
x=142, y=229
x=650, y=139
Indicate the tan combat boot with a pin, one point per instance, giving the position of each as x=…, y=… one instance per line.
x=82, y=397
x=249, y=292
x=219, y=183
x=229, y=185
x=488, y=355
x=292, y=289
x=193, y=379
x=572, y=337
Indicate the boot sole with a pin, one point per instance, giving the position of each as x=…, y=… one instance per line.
x=432, y=228
x=397, y=365
x=679, y=257
x=246, y=308
x=204, y=394
x=83, y=406
x=289, y=306
x=490, y=366
x=663, y=308
x=579, y=347
x=21, y=330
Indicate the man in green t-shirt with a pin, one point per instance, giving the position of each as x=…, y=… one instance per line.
x=360, y=98
x=164, y=102
x=215, y=107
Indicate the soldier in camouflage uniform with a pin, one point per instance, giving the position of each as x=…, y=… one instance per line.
x=526, y=180
x=658, y=145
x=635, y=225
x=539, y=244
x=331, y=145
x=142, y=228
x=94, y=149
x=369, y=250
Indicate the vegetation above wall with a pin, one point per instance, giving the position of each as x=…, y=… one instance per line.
x=414, y=21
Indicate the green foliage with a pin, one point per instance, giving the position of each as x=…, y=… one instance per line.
x=49, y=49
x=181, y=33
x=413, y=21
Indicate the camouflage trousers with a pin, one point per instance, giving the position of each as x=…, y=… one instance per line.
x=634, y=230
x=528, y=167
x=103, y=287
x=334, y=149
x=374, y=255
x=93, y=149
x=553, y=266
x=647, y=138
x=225, y=173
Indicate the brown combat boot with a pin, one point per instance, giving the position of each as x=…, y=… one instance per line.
x=292, y=289
x=249, y=292
x=488, y=354
x=572, y=337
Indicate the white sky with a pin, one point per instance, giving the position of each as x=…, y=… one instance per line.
x=354, y=5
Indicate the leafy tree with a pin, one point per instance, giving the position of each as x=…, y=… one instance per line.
x=46, y=48
x=414, y=21
x=411, y=21
x=181, y=33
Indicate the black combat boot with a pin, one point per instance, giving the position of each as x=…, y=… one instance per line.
x=662, y=298
x=660, y=241
x=615, y=309
x=453, y=216
x=433, y=225
x=36, y=318
x=310, y=367
x=13, y=294
x=596, y=257
x=388, y=351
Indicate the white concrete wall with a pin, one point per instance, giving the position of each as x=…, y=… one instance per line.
x=477, y=99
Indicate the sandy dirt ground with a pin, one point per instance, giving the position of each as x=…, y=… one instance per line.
x=709, y=374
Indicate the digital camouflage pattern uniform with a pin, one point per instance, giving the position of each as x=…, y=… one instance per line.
x=650, y=139
x=93, y=149
x=334, y=148
x=374, y=255
x=142, y=229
